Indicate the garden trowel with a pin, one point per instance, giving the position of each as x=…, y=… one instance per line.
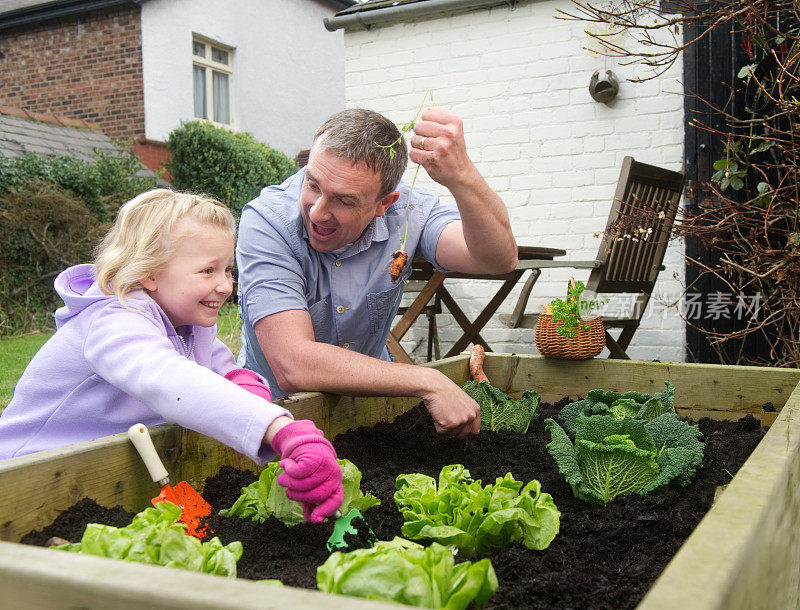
x=193, y=507
x=344, y=525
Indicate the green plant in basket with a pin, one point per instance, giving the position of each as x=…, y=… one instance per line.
x=568, y=312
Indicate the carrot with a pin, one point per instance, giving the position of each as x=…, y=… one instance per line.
x=399, y=259
x=476, y=357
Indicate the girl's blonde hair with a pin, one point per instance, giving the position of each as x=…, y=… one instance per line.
x=140, y=244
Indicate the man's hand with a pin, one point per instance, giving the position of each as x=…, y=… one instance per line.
x=440, y=148
x=454, y=412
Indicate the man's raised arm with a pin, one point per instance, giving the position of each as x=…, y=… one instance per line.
x=482, y=242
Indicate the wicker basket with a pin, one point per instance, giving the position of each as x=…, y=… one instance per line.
x=585, y=344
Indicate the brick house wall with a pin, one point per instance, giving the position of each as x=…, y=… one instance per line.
x=518, y=77
x=84, y=67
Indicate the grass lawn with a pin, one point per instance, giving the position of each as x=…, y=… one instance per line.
x=15, y=353
x=229, y=327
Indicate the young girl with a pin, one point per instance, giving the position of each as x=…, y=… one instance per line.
x=136, y=342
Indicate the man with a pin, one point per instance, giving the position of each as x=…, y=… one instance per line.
x=316, y=298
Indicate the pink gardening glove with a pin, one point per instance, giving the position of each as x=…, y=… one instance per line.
x=312, y=475
x=249, y=381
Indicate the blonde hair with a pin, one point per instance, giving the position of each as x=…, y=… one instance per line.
x=139, y=244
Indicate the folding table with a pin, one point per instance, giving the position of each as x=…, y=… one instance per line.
x=434, y=286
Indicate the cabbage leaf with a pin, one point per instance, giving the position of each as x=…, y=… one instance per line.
x=646, y=407
x=265, y=498
x=461, y=512
x=501, y=412
x=407, y=573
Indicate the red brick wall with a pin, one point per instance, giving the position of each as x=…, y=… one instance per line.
x=153, y=155
x=85, y=67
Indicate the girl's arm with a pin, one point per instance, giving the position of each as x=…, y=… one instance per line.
x=129, y=350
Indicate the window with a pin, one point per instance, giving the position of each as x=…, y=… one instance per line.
x=213, y=72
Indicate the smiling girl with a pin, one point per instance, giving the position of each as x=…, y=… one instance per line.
x=136, y=342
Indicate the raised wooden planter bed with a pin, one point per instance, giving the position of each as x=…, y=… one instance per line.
x=744, y=554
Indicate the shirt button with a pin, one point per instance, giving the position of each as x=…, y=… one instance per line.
x=338, y=262
x=346, y=345
x=340, y=309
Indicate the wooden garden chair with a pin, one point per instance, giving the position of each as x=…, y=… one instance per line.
x=631, y=252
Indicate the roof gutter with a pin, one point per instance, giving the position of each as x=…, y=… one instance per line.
x=55, y=10
x=403, y=12
x=341, y=4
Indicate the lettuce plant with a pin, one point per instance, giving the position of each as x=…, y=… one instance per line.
x=265, y=498
x=611, y=456
x=155, y=536
x=461, y=512
x=501, y=412
x=408, y=573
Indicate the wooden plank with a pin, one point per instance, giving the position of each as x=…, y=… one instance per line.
x=37, y=487
x=709, y=387
x=35, y=578
x=746, y=551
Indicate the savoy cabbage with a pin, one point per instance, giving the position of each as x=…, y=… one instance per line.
x=616, y=452
x=501, y=412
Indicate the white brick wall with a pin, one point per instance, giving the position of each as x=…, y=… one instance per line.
x=519, y=79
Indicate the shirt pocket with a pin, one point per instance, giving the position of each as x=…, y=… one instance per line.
x=320, y=314
x=382, y=306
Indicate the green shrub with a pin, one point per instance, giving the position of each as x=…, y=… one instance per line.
x=103, y=186
x=53, y=212
x=44, y=230
x=231, y=167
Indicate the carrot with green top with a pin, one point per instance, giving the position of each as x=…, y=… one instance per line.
x=400, y=257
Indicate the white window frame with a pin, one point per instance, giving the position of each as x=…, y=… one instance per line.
x=210, y=66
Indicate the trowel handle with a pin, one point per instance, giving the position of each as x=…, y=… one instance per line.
x=140, y=437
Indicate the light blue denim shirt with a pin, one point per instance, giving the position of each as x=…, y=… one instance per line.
x=348, y=293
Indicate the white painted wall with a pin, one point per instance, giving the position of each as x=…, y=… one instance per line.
x=519, y=79
x=288, y=69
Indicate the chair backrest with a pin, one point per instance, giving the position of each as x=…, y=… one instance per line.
x=638, y=229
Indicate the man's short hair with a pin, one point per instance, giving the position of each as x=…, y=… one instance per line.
x=357, y=135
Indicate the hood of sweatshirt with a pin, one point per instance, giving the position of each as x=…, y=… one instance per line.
x=77, y=288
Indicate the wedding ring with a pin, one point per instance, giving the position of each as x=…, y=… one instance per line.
x=422, y=143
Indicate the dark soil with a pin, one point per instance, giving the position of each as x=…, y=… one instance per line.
x=602, y=557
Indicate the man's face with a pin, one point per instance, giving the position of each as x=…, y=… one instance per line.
x=339, y=199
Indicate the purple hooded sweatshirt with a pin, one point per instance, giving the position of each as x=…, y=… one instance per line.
x=109, y=366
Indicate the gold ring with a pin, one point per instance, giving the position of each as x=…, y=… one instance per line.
x=422, y=143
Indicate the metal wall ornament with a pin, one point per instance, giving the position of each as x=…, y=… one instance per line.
x=603, y=86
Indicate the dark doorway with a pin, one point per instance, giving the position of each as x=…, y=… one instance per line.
x=710, y=68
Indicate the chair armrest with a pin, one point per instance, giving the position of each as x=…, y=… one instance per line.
x=515, y=320
x=535, y=264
